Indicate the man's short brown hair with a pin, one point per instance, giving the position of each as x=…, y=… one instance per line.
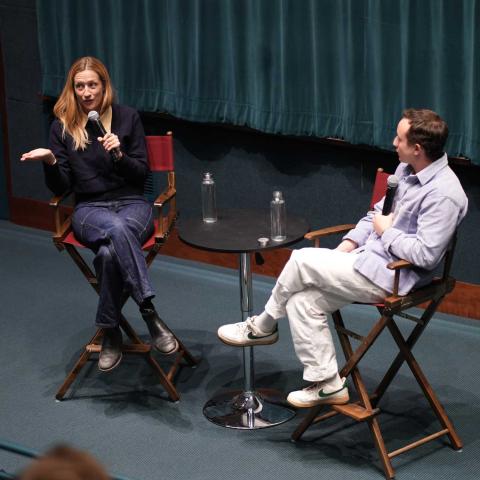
x=427, y=129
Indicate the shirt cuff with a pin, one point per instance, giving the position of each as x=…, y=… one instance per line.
x=51, y=165
x=354, y=238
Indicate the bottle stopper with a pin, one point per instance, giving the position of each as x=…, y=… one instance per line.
x=263, y=241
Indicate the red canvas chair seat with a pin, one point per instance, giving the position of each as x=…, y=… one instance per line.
x=71, y=240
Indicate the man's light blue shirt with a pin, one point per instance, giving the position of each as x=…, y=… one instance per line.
x=427, y=209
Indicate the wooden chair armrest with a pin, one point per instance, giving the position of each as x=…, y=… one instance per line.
x=323, y=232
x=399, y=264
x=165, y=197
x=62, y=231
x=62, y=226
x=58, y=199
x=165, y=222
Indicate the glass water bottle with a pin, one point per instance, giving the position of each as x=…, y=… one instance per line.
x=278, y=218
x=209, y=209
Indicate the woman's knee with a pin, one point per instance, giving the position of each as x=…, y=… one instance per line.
x=104, y=259
x=118, y=229
x=105, y=253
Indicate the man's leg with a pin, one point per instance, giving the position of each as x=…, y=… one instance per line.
x=313, y=283
x=314, y=347
x=262, y=329
x=307, y=313
x=311, y=334
x=326, y=270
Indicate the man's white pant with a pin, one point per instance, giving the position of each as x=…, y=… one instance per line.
x=313, y=283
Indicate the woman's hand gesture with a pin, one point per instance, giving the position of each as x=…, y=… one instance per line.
x=39, y=155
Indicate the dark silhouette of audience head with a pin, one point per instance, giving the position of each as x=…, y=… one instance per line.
x=65, y=463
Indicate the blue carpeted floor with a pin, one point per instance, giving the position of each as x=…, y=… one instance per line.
x=126, y=421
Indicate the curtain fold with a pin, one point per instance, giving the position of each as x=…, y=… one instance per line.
x=324, y=68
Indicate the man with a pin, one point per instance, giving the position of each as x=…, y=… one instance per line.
x=428, y=206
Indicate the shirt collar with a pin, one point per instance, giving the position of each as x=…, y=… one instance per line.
x=429, y=172
x=105, y=118
x=425, y=175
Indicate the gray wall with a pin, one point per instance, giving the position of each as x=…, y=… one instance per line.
x=326, y=184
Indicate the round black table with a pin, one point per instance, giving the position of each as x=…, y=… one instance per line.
x=238, y=231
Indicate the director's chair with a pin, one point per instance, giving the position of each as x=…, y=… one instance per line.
x=366, y=408
x=160, y=158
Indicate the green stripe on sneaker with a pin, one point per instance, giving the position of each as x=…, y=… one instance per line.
x=326, y=395
x=251, y=336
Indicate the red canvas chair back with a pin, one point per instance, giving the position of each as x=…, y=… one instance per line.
x=379, y=187
x=160, y=152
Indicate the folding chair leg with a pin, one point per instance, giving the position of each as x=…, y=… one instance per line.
x=355, y=356
x=381, y=448
x=306, y=422
x=399, y=359
x=73, y=374
x=164, y=380
x=437, y=407
x=189, y=358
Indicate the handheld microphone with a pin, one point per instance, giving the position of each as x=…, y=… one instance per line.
x=392, y=184
x=94, y=117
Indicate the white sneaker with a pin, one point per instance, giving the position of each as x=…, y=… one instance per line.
x=315, y=394
x=244, y=334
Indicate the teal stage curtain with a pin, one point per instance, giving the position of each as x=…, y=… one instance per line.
x=324, y=68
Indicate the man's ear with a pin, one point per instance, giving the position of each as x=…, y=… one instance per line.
x=418, y=149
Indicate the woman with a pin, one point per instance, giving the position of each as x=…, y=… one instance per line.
x=111, y=216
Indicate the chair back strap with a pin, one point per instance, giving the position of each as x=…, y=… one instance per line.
x=160, y=152
x=379, y=187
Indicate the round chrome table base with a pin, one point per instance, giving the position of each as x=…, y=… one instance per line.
x=248, y=410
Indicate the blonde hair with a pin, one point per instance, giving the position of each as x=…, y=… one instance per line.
x=67, y=108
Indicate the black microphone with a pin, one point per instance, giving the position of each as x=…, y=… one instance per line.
x=94, y=117
x=392, y=184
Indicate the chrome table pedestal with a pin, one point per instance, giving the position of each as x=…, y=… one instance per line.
x=248, y=409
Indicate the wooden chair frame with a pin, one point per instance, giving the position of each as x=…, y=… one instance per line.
x=366, y=408
x=165, y=213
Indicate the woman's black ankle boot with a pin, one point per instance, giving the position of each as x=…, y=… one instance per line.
x=111, y=352
x=163, y=339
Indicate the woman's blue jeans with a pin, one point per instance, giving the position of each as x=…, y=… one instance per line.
x=115, y=230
